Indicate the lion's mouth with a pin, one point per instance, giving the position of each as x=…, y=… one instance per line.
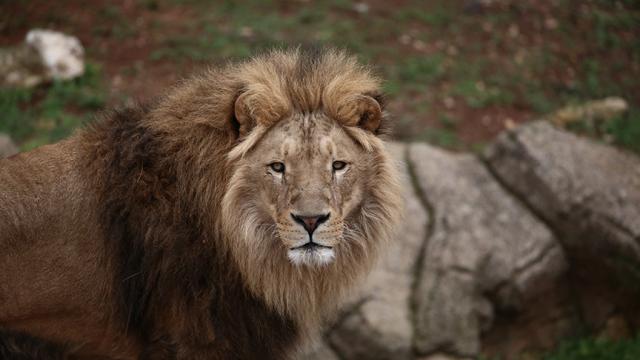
x=310, y=246
x=311, y=254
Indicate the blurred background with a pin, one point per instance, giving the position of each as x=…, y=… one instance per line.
x=457, y=72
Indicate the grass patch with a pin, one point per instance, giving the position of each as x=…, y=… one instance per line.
x=596, y=349
x=34, y=117
x=477, y=94
x=114, y=24
x=625, y=130
x=440, y=137
x=421, y=70
x=528, y=58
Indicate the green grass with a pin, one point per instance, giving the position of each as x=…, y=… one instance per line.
x=596, y=349
x=425, y=51
x=240, y=29
x=625, y=130
x=440, y=137
x=114, y=23
x=34, y=117
x=479, y=95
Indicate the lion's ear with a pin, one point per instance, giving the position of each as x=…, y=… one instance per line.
x=242, y=116
x=361, y=110
x=257, y=108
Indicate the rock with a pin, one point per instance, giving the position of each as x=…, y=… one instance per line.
x=502, y=255
x=378, y=324
x=318, y=351
x=440, y=356
x=46, y=55
x=605, y=109
x=588, y=192
x=61, y=54
x=21, y=67
x=485, y=253
x=7, y=147
x=361, y=7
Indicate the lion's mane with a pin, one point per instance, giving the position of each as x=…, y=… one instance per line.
x=160, y=173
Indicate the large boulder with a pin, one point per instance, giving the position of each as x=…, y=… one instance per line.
x=589, y=193
x=485, y=253
x=500, y=255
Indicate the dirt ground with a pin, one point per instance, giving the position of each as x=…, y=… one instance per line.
x=457, y=72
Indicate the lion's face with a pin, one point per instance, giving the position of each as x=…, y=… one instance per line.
x=310, y=193
x=308, y=176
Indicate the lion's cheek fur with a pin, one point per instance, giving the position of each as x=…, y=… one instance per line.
x=298, y=290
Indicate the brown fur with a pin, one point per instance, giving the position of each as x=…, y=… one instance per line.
x=113, y=242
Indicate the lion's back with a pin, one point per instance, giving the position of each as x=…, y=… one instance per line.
x=32, y=188
x=50, y=242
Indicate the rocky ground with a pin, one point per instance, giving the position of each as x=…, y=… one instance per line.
x=502, y=254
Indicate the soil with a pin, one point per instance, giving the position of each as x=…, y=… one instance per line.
x=121, y=36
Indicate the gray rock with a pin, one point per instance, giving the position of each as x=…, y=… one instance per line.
x=485, y=252
x=21, y=66
x=588, y=192
x=440, y=356
x=318, y=351
x=589, y=112
x=7, y=147
x=475, y=265
x=44, y=56
x=378, y=325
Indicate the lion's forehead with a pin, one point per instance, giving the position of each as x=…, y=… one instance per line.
x=295, y=148
x=310, y=138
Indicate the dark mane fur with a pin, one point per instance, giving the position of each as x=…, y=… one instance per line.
x=19, y=346
x=170, y=273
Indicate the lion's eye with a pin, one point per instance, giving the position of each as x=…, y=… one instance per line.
x=339, y=165
x=277, y=167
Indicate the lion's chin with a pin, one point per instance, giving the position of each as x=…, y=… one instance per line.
x=317, y=256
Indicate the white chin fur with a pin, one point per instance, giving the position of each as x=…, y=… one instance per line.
x=315, y=257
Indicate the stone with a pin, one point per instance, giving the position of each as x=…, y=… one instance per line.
x=484, y=254
x=61, y=54
x=603, y=110
x=21, y=67
x=587, y=191
x=501, y=255
x=318, y=350
x=440, y=356
x=7, y=147
x=378, y=324
x=44, y=56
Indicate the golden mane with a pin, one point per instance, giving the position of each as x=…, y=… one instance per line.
x=277, y=85
x=157, y=179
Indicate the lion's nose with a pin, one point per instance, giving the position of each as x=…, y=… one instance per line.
x=310, y=223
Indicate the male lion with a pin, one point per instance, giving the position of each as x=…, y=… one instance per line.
x=223, y=221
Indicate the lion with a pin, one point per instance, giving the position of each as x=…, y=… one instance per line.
x=225, y=220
